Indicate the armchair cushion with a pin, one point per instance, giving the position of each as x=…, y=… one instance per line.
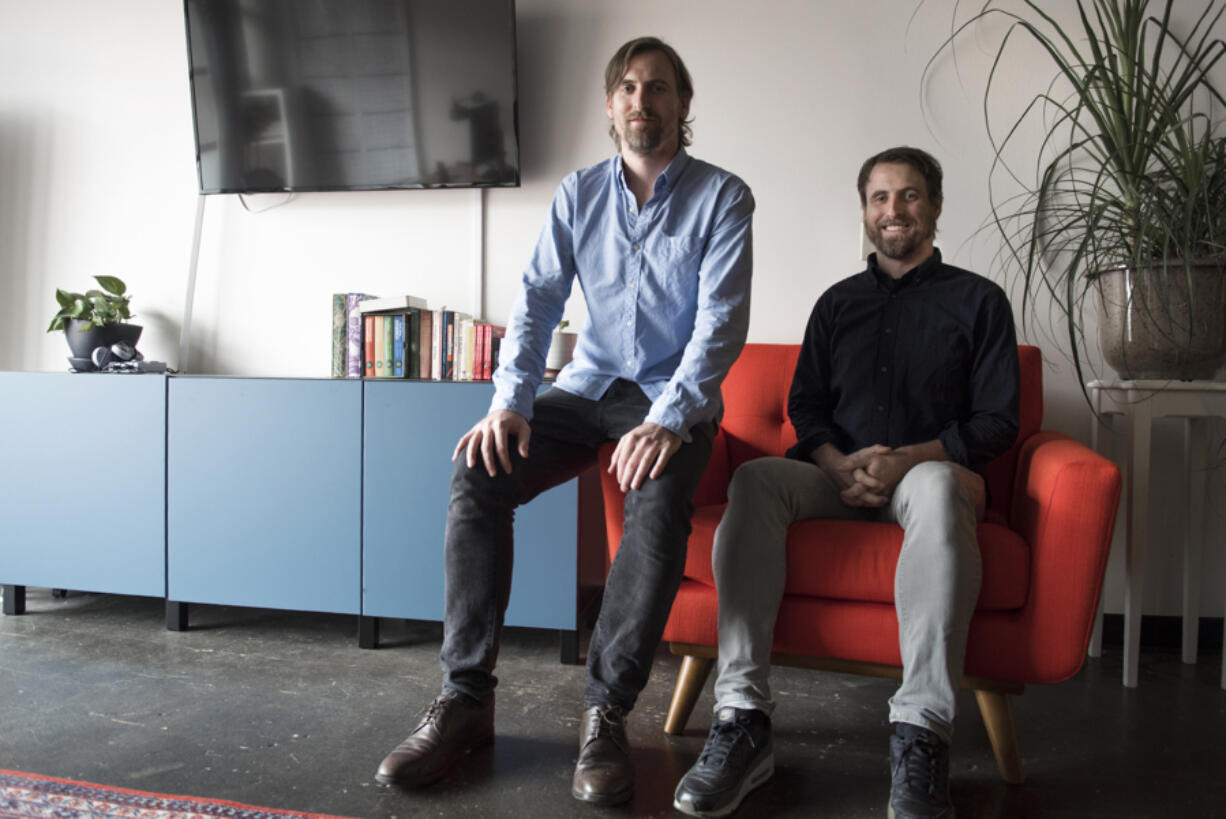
x=852, y=560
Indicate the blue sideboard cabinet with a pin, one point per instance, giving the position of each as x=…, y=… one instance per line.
x=263, y=494
x=83, y=491
x=322, y=495
x=411, y=430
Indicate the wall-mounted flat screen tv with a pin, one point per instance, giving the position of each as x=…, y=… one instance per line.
x=330, y=95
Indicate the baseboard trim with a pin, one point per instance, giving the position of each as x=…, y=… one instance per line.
x=1165, y=632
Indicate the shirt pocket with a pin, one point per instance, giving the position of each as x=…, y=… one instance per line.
x=940, y=362
x=677, y=260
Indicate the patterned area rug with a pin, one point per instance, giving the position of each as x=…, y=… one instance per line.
x=26, y=795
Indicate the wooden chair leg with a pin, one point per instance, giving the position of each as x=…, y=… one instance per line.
x=997, y=711
x=694, y=673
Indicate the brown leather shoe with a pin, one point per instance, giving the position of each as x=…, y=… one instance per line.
x=453, y=726
x=603, y=774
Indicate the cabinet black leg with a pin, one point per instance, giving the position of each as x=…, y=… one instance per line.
x=14, y=599
x=176, y=616
x=368, y=632
x=569, y=641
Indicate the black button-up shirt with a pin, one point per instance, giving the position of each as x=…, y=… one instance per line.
x=932, y=355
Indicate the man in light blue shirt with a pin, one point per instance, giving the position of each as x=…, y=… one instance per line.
x=661, y=245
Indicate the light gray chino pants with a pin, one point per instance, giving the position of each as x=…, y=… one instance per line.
x=936, y=583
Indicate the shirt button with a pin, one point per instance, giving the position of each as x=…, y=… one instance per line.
x=888, y=331
x=629, y=361
x=636, y=245
x=885, y=369
x=629, y=324
x=880, y=408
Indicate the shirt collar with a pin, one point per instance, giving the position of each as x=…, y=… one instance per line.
x=916, y=275
x=668, y=179
x=665, y=182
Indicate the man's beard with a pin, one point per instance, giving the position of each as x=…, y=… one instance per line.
x=899, y=247
x=643, y=138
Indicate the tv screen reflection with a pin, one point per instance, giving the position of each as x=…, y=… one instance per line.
x=314, y=95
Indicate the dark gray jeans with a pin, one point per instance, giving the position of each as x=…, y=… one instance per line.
x=567, y=431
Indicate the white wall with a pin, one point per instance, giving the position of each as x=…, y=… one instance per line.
x=97, y=176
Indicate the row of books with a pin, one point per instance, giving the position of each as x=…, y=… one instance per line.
x=400, y=337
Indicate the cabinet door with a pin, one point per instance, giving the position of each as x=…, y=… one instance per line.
x=264, y=493
x=411, y=430
x=83, y=460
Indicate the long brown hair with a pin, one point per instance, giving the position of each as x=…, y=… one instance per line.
x=616, y=71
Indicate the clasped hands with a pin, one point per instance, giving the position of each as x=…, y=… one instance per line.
x=641, y=453
x=868, y=476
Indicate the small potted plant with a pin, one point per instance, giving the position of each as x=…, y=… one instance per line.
x=93, y=319
x=561, y=349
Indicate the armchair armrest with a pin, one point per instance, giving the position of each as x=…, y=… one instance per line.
x=712, y=489
x=1064, y=505
x=614, y=501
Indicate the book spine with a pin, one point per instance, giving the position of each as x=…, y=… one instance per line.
x=487, y=367
x=481, y=356
x=471, y=359
x=389, y=344
x=448, y=345
x=478, y=331
x=368, y=346
x=340, y=334
x=398, y=348
x=412, y=343
x=436, y=346
x=355, y=354
x=465, y=356
x=380, y=345
x=474, y=345
x=427, y=336
x=496, y=335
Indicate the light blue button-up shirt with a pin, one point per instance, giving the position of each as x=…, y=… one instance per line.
x=667, y=290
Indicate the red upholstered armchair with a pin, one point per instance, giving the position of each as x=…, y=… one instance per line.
x=1044, y=546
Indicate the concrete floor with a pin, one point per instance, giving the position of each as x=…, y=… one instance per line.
x=282, y=709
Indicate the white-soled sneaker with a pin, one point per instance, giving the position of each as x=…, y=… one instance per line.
x=737, y=758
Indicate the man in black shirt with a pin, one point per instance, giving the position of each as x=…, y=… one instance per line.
x=906, y=384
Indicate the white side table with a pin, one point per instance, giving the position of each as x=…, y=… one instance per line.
x=1139, y=403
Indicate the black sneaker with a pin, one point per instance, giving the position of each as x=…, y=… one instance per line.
x=919, y=774
x=737, y=758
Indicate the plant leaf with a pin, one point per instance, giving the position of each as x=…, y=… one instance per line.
x=111, y=284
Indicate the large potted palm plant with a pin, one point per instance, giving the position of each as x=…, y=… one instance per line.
x=1124, y=212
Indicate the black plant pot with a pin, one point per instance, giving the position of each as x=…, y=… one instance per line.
x=83, y=344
